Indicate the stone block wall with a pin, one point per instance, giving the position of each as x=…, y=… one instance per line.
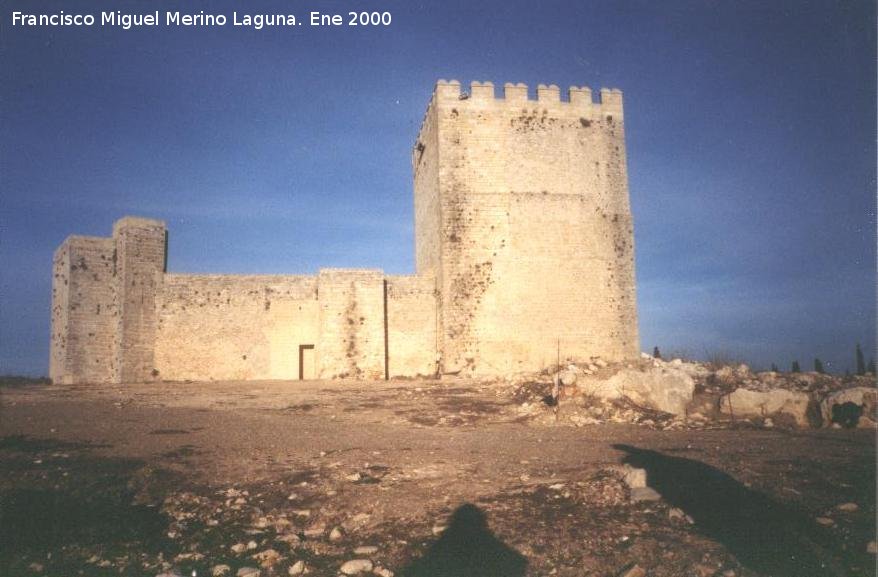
x=535, y=233
x=411, y=326
x=141, y=252
x=425, y=168
x=352, y=337
x=60, y=315
x=227, y=327
x=84, y=311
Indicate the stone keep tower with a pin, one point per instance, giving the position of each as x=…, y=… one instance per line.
x=522, y=214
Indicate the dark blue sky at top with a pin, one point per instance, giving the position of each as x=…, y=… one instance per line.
x=750, y=127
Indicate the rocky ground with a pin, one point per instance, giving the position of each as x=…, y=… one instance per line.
x=687, y=395
x=416, y=478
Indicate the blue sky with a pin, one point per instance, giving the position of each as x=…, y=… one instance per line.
x=751, y=133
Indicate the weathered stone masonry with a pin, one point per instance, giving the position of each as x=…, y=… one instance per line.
x=524, y=247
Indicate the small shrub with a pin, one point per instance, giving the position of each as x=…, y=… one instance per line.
x=21, y=381
x=719, y=359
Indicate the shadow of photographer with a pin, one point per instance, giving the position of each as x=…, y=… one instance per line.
x=467, y=548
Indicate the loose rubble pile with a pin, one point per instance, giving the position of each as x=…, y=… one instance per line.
x=266, y=539
x=680, y=394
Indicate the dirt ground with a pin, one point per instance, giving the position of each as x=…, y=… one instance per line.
x=439, y=478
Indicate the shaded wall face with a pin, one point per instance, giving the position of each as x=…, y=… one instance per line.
x=84, y=314
x=141, y=246
x=536, y=234
x=60, y=320
x=425, y=167
x=234, y=327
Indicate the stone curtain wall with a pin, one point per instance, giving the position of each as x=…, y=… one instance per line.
x=536, y=239
x=411, y=322
x=225, y=327
x=351, y=324
x=117, y=317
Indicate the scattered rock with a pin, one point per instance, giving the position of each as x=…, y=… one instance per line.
x=848, y=507
x=644, y=494
x=439, y=529
x=248, y=572
x=635, y=571
x=220, y=570
x=872, y=548
x=825, y=521
x=703, y=570
x=238, y=548
x=297, y=568
x=356, y=566
x=776, y=402
x=358, y=521
x=664, y=389
x=289, y=538
x=267, y=558
x=634, y=477
x=676, y=514
x=251, y=545
x=582, y=420
x=315, y=530
x=382, y=572
x=567, y=378
x=366, y=550
x=336, y=535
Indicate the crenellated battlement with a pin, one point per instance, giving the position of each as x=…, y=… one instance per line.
x=581, y=97
x=580, y=100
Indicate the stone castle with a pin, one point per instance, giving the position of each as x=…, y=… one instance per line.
x=524, y=252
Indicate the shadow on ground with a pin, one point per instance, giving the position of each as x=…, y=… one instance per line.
x=765, y=535
x=467, y=548
x=52, y=501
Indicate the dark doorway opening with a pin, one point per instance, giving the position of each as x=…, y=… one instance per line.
x=306, y=358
